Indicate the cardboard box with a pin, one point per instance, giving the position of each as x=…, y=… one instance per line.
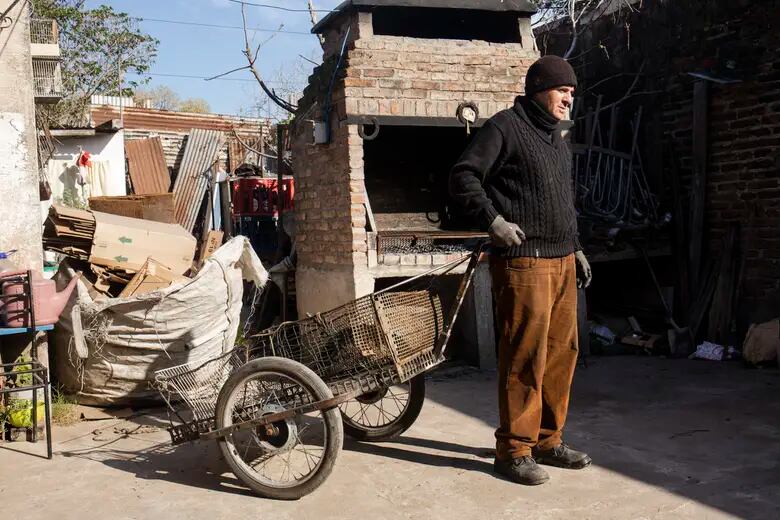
x=212, y=243
x=152, y=276
x=158, y=208
x=126, y=243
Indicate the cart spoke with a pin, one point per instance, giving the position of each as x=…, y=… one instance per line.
x=284, y=452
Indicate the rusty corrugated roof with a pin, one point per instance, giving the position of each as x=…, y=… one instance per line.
x=166, y=120
x=193, y=178
x=146, y=164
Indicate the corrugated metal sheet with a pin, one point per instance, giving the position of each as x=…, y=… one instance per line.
x=172, y=144
x=200, y=156
x=146, y=164
x=166, y=120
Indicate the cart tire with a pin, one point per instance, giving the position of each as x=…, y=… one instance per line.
x=318, y=390
x=399, y=425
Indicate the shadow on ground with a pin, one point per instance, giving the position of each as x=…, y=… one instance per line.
x=704, y=430
x=198, y=465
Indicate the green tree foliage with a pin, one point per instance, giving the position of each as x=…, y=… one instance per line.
x=99, y=46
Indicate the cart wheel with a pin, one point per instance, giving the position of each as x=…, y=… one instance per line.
x=384, y=414
x=287, y=459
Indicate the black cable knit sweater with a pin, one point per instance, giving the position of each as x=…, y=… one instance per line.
x=514, y=168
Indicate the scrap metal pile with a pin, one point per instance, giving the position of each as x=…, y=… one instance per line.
x=611, y=186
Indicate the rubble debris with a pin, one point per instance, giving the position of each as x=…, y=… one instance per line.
x=69, y=231
x=157, y=207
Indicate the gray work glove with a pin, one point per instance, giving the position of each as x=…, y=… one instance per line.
x=505, y=234
x=584, y=274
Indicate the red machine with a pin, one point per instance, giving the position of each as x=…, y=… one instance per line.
x=256, y=203
x=259, y=196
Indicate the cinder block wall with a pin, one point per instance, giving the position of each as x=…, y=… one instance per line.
x=380, y=76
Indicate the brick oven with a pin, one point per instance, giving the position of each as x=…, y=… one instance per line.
x=403, y=86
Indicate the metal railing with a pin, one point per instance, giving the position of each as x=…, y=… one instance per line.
x=47, y=78
x=44, y=30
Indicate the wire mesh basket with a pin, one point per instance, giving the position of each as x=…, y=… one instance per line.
x=371, y=342
x=373, y=335
x=198, y=382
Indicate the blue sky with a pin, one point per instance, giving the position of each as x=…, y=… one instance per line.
x=207, y=51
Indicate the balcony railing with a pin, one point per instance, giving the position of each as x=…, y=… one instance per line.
x=44, y=31
x=47, y=78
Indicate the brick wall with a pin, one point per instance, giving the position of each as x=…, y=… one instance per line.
x=329, y=199
x=738, y=39
x=388, y=75
x=380, y=76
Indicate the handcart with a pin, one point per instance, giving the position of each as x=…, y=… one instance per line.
x=279, y=404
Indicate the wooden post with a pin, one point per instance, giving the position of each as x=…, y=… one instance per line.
x=701, y=101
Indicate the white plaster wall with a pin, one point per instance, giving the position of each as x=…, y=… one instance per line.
x=20, y=221
x=104, y=147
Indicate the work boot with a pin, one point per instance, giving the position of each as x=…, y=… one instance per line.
x=523, y=470
x=562, y=456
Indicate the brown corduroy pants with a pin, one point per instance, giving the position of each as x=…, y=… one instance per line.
x=536, y=307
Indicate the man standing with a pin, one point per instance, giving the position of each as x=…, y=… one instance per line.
x=515, y=180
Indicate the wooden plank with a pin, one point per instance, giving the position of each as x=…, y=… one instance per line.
x=483, y=308
x=370, y=214
x=680, y=245
x=701, y=101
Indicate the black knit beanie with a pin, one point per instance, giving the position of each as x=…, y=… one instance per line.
x=548, y=72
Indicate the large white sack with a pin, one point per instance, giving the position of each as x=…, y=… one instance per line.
x=127, y=339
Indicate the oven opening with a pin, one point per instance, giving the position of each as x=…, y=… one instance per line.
x=406, y=175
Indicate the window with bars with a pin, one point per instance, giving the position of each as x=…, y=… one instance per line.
x=47, y=78
x=44, y=31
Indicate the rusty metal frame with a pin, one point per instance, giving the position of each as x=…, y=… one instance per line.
x=324, y=405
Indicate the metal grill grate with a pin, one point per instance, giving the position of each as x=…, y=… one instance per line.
x=426, y=242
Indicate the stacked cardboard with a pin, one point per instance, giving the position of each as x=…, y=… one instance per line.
x=69, y=231
x=122, y=251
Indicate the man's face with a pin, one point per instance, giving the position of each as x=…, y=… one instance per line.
x=556, y=100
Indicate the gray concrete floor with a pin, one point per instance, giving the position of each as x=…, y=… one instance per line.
x=670, y=439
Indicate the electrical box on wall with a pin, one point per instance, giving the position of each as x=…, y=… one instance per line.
x=320, y=132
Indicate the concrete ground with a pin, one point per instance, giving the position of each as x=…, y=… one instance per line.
x=670, y=439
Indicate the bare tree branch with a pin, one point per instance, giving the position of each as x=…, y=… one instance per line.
x=251, y=58
x=251, y=149
x=313, y=14
x=228, y=72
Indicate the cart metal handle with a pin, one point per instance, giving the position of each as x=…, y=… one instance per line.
x=444, y=337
